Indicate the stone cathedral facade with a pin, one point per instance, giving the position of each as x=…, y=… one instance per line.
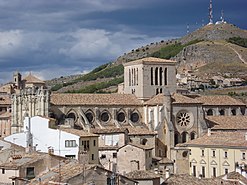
x=31, y=98
x=147, y=100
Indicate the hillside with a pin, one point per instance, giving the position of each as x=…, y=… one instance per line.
x=206, y=51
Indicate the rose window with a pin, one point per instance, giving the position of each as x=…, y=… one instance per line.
x=183, y=119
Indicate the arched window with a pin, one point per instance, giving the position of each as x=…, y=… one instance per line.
x=161, y=90
x=105, y=116
x=144, y=141
x=184, y=137
x=165, y=76
x=134, y=80
x=152, y=82
x=134, y=117
x=234, y=112
x=176, y=138
x=210, y=112
x=157, y=91
x=121, y=117
x=90, y=116
x=222, y=112
x=137, y=76
x=161, y=75
x=132, y=74
x=156, y=76
x=192, y=135
x=129, y=77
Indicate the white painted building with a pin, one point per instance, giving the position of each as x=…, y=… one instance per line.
x=64, y=142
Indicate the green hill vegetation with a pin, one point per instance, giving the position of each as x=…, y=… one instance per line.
x=239, y=41
x=172, y=50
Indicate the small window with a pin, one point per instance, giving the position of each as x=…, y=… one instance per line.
x=70, y=143
x=225, y=155
x=114, y=155
x=194, y=171
x=203, y=171
x=92, y=157
x=214, y=172
x=30, y=173
x=70, y=156
x=226, y=171
x=3, y=171
x=202, y=153
x=213, y=153
x=105, y=117
x=103, y=156
x=94, y=142
x=121, y=117
x=134, y=117
x=243, y=155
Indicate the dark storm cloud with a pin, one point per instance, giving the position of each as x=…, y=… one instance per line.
x=62, y=37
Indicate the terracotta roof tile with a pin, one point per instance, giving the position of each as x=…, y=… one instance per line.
x=139, y=131
x=181, y=99
x=142, y=175
x=227, y=122
x=77, y=132
x=94, y=99
x=32, y=79
x=109, y=130
x=4, y=100
x=150, y=60
x=177, y=99
x=219, y=100
x=220, y=139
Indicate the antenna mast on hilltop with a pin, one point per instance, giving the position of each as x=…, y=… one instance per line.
x=210, y=12
x=222, y=16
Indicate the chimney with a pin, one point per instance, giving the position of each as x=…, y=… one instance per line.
x=209, y=131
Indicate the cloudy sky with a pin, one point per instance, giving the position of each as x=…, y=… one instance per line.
x=53, y=38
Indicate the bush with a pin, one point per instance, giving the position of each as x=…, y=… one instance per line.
x=239, y=41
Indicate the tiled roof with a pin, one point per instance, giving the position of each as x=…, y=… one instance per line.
x=236, y=176
x=32, y=79
x=26, y=159
x=144, y=147
x=142, y=175
x=220, y=139
x=218, y=100
x=77, y=132
x=5, y=115
x=150, y=60
x=109, y=130
x=156, y=100
x=191, y=180
x=227, y=122
x=139, y=131
x=94, y=99
x=177, y=99
x=4, y=100
x=181, y=99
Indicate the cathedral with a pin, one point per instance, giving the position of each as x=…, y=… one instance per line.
x=147, y=100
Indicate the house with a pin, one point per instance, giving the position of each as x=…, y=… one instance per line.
x=144, y=177
x=216, y=153
x=134, y=157
x=23, y=168
x=76, y=173
x=110, y=140
x=65, y=142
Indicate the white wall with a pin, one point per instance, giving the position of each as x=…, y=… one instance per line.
x=44, y=137
x=4, y=178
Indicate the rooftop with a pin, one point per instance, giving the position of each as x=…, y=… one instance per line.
x=32, y=79
x=151, y=60
x=219, y=100
x=139, y=131
x=4, y=100
x=95, y=99
x=142, y=175
x=109, y=130
x=227, y=122
x=80, y=133
x=220, y=139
